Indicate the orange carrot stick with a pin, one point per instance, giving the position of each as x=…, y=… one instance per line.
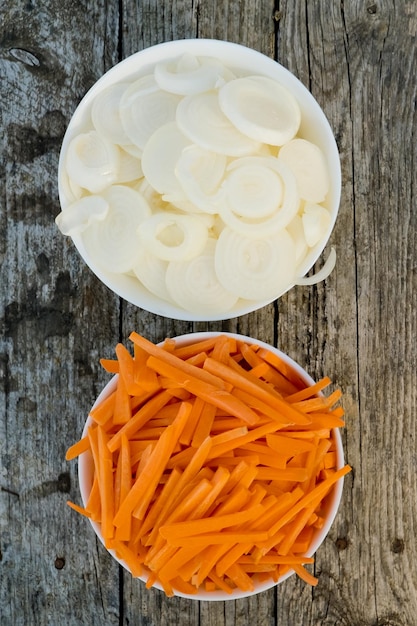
x=77, y=448
x=143, y=489
x=208, y=392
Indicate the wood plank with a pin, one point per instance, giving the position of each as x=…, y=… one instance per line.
x=356, y=328
x=52, y=570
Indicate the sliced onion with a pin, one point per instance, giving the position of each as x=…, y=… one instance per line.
x=130, y=168
x=261, y=108
x=200, y=118
x=296, y=230
x=322, y=274
x=284, y=212
x=254, y=191
x=200, y=172
x=255, y=269
x=316, y=221
x=309, y=166
x=79, y=215
x=173, y=236
x=105, y=114
x=144, y=108
x=160, y=156
x=92, y=162
x=133, y=150
x=113, y=242
x=152, y=197
x=194, y=284
x=70, y=190
x=151, y=272
x=189, y=75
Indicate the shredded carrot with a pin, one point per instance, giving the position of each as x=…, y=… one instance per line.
x=212, y=463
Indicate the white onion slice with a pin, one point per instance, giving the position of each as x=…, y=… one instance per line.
x=144, y=108
x=200, y=172
x=105, y=114
x=261, y=108
x=130, y=168
x=178, y=200
x=267, y=222
x=92, y=161
x=255, y=269
x=113, y=243
x=316, y=221
x=200, y=118
x=309, y=166
x=173, y=236
x=322, y=274
x=153, y=198
x=254, y=191
x=151, y=272
x=160, y=156
x=70, y=190
x=296, y=230
x=79, y=215
x=194, y=284
x=190, y=75
x=133, y=150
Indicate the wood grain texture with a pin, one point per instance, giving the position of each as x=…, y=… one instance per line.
x=360, y=62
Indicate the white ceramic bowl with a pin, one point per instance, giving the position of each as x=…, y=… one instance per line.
x=332, y=501
x=314, y=127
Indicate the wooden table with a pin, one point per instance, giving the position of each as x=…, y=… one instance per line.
x=359, y=60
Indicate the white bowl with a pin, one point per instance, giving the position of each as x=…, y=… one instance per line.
x=314, y=127
x=332, y=500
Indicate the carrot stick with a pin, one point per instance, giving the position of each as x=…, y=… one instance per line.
x=79, y=509
x=207, y=525
x=208, y=392
x=123, y=486
x=190, y=350
x=189, y=428
x=204, y=424
x=110, y=365
x=281, y=366
x=142, y=490
x=218, y=482
x=240, y=578
x=105, y=473
x=219, y=582
x=103, y=412
x=286, y=445
x=252, y=435
x=313, y=496
x=77, y=448
x=241, y=381
x=127, y=371
x=310, y=391
x=122, y=407
x=144, y=414
x=304, y=574
x=221, y=537
x=93, y=505
x=174, y=361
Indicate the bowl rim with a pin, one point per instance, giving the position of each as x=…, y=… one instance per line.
x=334, y=496
x=236, y=55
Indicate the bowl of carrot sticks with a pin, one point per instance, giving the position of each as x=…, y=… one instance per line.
x=211, y=465
x=200, y=180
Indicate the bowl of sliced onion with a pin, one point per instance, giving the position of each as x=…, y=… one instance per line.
x=200, y=180
x=211, y=465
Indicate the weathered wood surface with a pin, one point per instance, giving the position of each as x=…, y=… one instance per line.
x=359, y=60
